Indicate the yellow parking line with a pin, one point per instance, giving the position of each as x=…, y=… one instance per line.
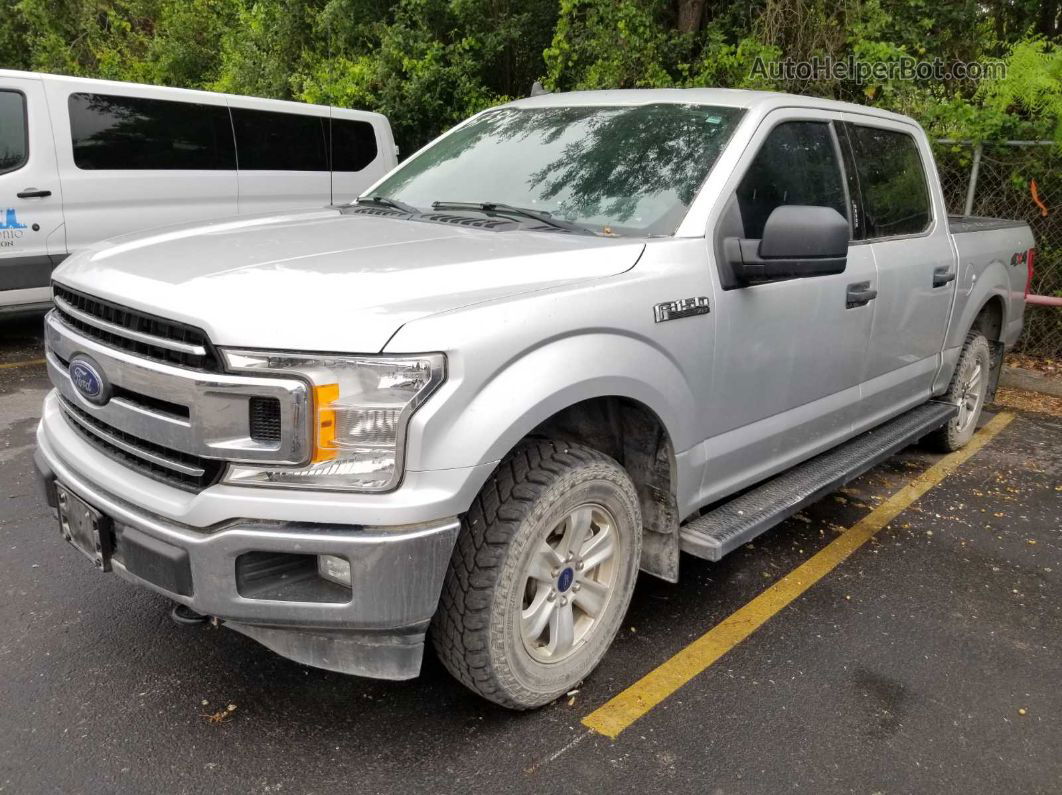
x=624, y=709
x=27, y=363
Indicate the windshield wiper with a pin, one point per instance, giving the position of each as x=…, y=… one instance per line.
x=498, y=208
x=384, y=201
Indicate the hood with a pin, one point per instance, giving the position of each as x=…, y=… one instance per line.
x=326, y=281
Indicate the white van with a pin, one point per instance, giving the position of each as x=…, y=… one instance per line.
x=83, y=160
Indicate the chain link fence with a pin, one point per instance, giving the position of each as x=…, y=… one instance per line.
x=1015, y=179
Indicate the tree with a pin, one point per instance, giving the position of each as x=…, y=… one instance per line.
x=428, y=63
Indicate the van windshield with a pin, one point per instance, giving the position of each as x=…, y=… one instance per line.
x=628, y=170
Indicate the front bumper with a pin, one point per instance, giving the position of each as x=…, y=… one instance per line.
x=375, y=628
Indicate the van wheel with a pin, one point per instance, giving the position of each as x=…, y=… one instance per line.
x=541, y=575
x=968, y=389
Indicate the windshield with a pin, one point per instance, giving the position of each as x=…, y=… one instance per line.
x=615, y=170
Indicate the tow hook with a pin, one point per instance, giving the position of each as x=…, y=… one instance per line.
x=186, y=616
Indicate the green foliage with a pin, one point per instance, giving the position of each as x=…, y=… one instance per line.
x=421, y=82
x=723, y=63
x=429, y=63
x=1028, y=101
x=610, y=44
x=184, y=49
x=262, y=51
x=14, y=52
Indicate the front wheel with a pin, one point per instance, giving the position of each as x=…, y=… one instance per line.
x=542, y=574
x=968, y=389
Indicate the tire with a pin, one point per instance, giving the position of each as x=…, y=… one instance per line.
x=968, y=389
x=503, y=628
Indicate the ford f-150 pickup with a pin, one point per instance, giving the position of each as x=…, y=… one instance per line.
x=571, y=338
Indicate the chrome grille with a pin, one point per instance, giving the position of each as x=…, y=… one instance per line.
x=174, y=424
x=144, y=402
x=169, y=466
x=138, y=332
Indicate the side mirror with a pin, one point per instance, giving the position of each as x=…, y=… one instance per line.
x=798, y=241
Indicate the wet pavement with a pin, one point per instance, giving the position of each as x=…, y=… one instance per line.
x=928, y=661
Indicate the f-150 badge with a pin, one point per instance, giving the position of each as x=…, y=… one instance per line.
x=680, y=308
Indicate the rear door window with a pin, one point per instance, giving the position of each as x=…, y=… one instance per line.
x=797, y=164
x=892, y=182
x=271, y=141
x=14, y=143
x=353, y=144
x=136, y=133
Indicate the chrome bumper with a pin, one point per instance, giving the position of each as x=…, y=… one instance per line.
x=378, y=631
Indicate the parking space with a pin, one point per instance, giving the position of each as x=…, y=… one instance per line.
x=927, y=660
x=20, y=340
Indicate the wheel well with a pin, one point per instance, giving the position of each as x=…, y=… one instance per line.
x=631, y=433
x=989, y=320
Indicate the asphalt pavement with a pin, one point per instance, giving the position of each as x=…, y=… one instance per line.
x=928, y=661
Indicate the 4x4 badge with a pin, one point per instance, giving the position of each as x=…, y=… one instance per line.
x=679, y=308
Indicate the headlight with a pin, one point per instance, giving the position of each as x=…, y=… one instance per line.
x=361, y=406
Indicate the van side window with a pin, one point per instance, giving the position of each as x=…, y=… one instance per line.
x=270, y=141
x=135, y=133
x=797, y=164
x=14, y=147
x=892, y=182
x=353, y=144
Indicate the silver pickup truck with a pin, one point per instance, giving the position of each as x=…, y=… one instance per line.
x=570, y=338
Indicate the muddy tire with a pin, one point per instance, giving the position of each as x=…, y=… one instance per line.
x=968, y=389
x=541, y=575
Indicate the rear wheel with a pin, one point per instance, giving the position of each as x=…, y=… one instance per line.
x=968, y=389
x=541, y=576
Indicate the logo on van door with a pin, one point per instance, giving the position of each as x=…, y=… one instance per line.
x=11, y=220
x=11, y=231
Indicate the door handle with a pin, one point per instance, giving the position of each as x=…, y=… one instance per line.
x=859, y=294
x=33, y=193
x=942, y=276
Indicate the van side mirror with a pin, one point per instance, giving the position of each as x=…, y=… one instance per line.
x=798, y=241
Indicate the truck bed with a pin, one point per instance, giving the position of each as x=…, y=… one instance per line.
x=989, y=251
x=961, y=224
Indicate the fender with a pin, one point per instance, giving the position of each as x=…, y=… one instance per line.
x=452, y=430
x=993, y=281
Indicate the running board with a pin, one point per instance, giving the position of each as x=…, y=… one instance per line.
x=738, y=521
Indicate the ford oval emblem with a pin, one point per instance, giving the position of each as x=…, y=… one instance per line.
x=89, y=381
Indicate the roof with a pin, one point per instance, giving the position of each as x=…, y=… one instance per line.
x=763, y=101
x=726, y=97
x=187, y=94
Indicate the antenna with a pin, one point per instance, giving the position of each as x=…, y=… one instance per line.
x=537, y=90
